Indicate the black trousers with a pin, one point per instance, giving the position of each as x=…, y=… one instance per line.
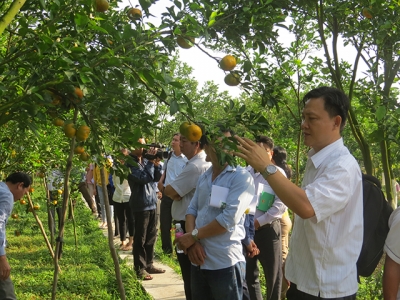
x=186, y=266
x=294, y=294
x=144, y=239
x=268, y=240
x=165, y=224
x=124, y=217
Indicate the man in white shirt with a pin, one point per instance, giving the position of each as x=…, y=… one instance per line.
x=328, y=231
x=181, y=190
x=267, y=236
x=172, y=168
x=391, y=272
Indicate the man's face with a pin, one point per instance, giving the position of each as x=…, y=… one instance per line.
x=319, y=129
x=20, y=191
x=187, y=147
x=139, y=151
x=175, y=143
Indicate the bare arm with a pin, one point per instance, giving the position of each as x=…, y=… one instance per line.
x=170, y=192
x=294, y=197
x=391, y=279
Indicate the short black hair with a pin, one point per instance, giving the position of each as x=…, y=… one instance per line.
x=336, y=102
x=18, y=177
x=266, y=141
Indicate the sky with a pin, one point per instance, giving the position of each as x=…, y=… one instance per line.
x=206, y=68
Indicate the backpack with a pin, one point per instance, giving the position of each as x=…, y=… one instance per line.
x=376, y=216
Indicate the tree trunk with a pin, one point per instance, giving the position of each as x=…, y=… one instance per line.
x=111, y=236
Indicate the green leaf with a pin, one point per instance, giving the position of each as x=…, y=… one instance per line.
x=84, y=77
x=81, y=19
x=204, y=120
x=176, y=84
x=114, y=62
x=174, y=107
x=380, y=113
x=247, y=66
x=149, y=77
x=98, y=28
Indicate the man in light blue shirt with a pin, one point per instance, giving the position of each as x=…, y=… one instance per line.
x=15, y=187
x=214, y=234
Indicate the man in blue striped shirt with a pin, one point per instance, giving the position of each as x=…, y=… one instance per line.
x=215, y=230
x=15, y=187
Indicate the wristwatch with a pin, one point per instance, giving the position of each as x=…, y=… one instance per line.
x=195, y=232
x=269, y=170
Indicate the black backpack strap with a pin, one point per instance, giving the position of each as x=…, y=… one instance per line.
x=372, y=179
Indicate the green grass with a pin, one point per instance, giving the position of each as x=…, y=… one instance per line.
x=87, y=271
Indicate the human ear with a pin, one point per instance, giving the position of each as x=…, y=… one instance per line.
x=338, y=121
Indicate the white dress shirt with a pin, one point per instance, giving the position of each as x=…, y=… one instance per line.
x=277, y=209
x=324, y=248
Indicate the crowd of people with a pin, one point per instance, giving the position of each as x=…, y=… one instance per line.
x=236, y=217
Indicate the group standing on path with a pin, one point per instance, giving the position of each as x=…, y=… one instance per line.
x=212, y=202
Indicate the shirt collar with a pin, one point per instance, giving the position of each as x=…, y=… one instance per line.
x=318, y=157
x=174, y=155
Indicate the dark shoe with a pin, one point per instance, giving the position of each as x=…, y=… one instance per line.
x=154, y=270
x=144, y=275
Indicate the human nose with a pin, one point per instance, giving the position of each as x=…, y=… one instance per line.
x=304, y=124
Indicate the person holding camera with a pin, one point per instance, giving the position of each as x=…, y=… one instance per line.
x=172, y=168
x=143, y=201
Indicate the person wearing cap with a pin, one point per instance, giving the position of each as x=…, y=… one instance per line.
x=181, y=190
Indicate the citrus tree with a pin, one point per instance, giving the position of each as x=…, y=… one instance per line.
x=267, y=66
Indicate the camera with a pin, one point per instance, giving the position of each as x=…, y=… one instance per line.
x=161, y=153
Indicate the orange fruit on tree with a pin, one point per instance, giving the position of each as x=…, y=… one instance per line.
x=36, y=207
x=367, y=13
x=228, y=63
x=78, y=92
x=101, y=5
x=82, y=133
x=84, y=156
x=134, y=13
x=55, y=202
x=14, y=216
x=58, y=122
x=56, y=100
x=194, y=133
x=183, y=128
x=22, y=201
x=69, y=130
x=79, y=150
x=185, y=42
x=232, y=79
x=59, y=192
x=31, y=190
